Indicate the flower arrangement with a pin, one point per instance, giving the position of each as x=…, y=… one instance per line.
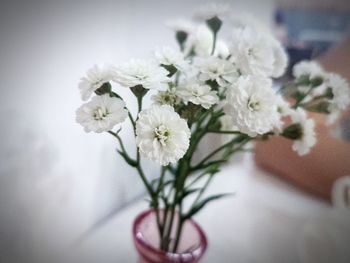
x=207, y=85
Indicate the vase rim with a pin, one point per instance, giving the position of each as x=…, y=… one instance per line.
x=198, y=250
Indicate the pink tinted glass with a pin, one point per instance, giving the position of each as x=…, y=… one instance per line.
x=192, y=246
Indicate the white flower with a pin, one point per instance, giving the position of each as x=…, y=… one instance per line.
x=280, y=59
x=284, y=109
x=101, y=114
x=307, y=138
x=221, y=49
x=94, y=79
x=251, y=53
x=161, y=135
x=142, y=72
x=201, y=41
x=211, y=10
x=307, y=68
x=220, y=70
x=283, y=106
x=341, y=91
x=198, y=94
x=341, y=95
x=251, y=103
x=167, y=97
x=171, y=57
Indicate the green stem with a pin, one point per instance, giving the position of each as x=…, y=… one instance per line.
x=225, y=156
x=197, y=179
x=179, y=229
x=139, y=103
x=201, y=163
x=201, y=192
x=214, y=44
x=119, y=140
x=156, y=204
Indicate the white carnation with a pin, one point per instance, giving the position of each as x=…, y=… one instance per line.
x=221, y=49
x=161, y=135
x=94, y=79
x=284, y=109
x=280, y=59
x=252, y=53
x=283, y=106
x=341, y=91
x=198, y=94
x=142, y=72
x=220, y=70
x=307, y=139
x=308, y=68
x=171, y=57
x=101, y=114
x=341, y=95
x=251, y=103
x=201, y=42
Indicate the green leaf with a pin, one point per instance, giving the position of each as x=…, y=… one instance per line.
x=203, y=203
x=154, y=183
x=113, y=94
x=188, y=192
x=130, y=161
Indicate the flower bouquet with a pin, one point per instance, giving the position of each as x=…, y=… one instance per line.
x=209, y=85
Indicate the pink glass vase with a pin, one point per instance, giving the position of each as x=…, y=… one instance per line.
x=192, y=245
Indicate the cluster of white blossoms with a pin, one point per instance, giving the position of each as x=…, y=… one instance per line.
x=212, y=85
x=232, y=78
x=312, y=79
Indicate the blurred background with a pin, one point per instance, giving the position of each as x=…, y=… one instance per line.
x=56, y=181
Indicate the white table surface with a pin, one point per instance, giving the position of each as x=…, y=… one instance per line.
x=263, y=222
